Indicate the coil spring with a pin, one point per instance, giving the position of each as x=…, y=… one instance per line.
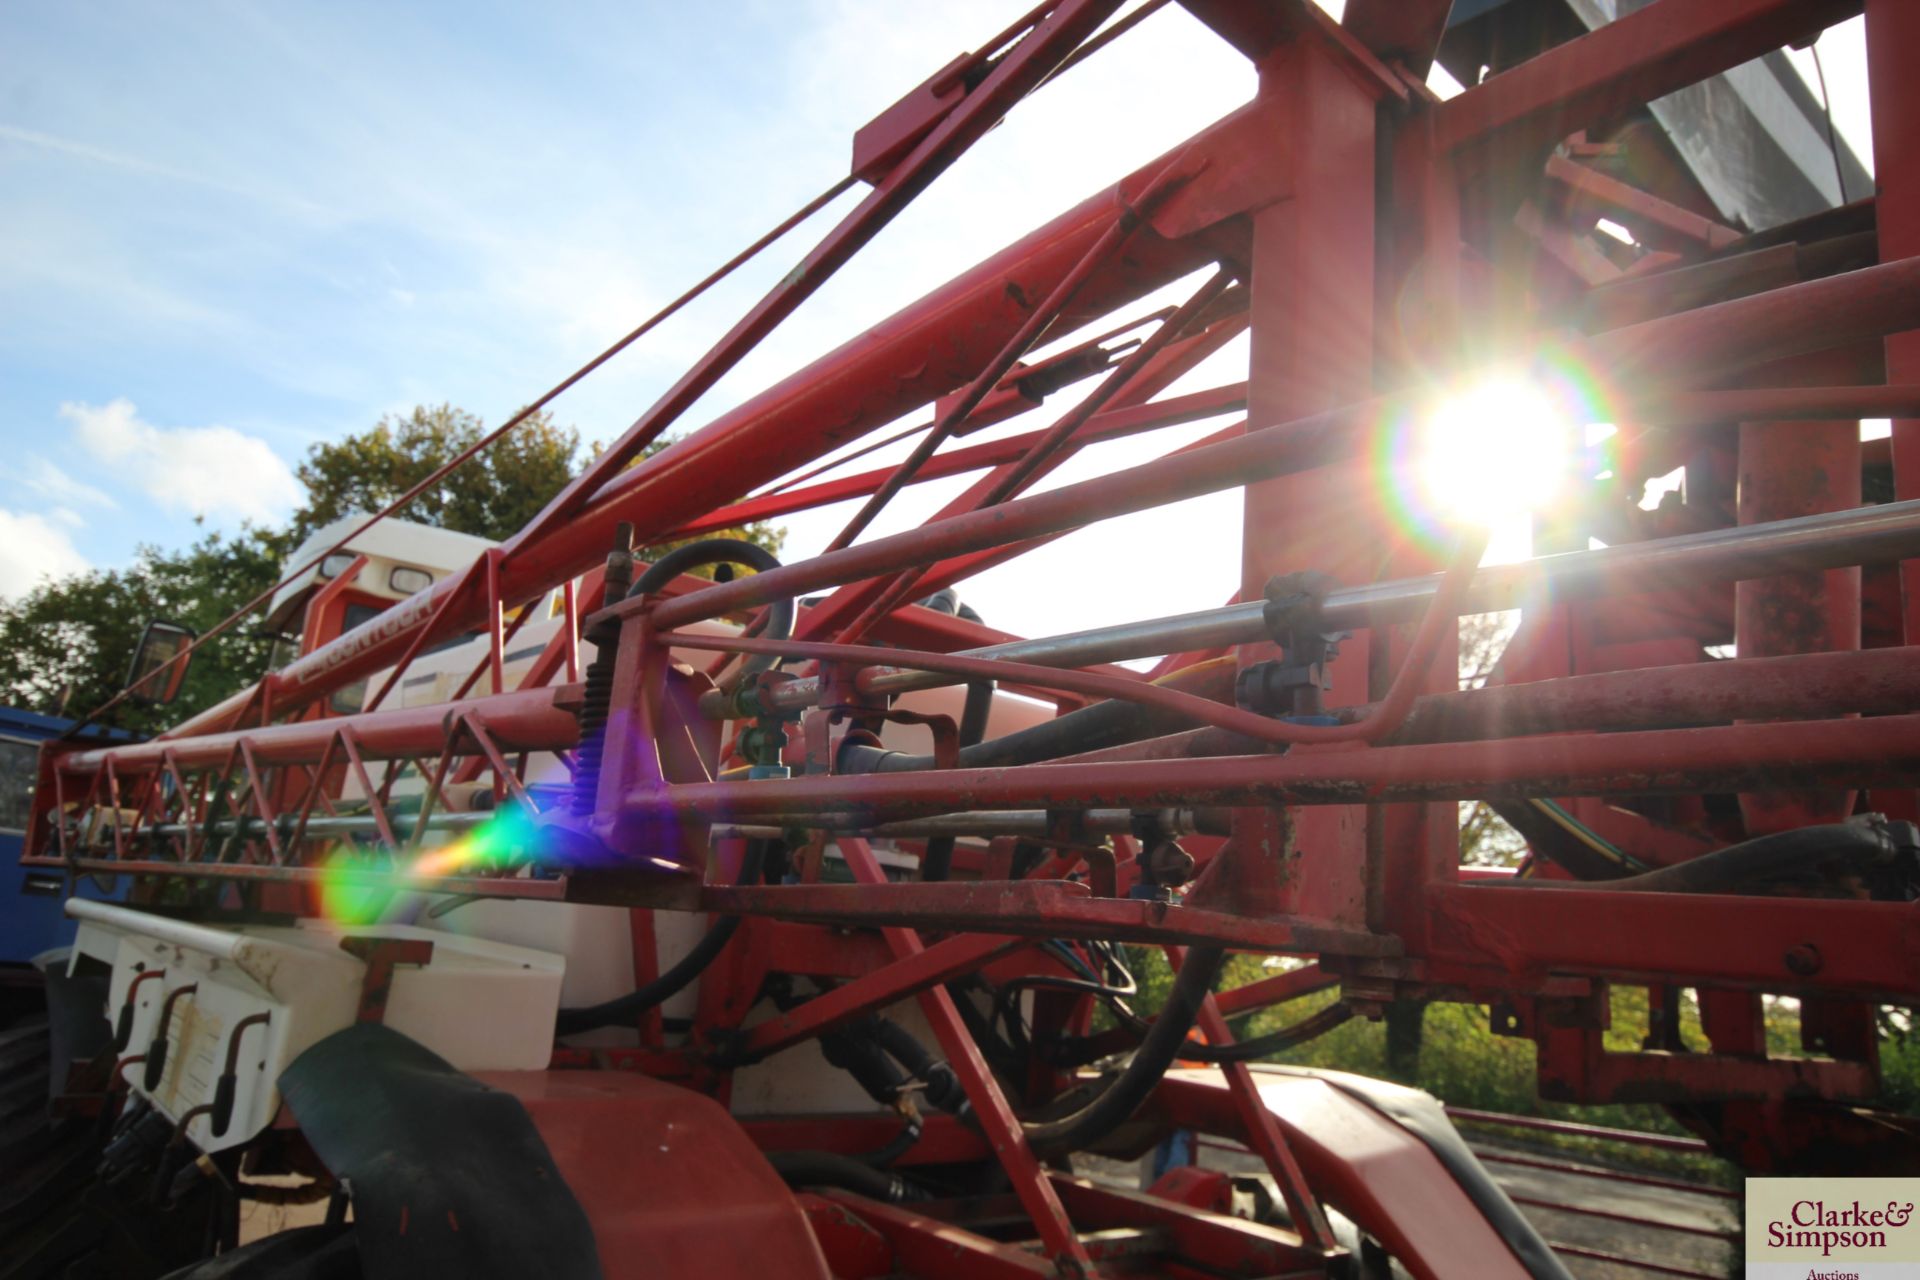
x=598, y=696
x=594, y=707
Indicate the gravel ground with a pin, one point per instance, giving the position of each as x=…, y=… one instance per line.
x=1649, y=1237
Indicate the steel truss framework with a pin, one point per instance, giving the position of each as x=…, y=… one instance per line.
x=1368, y=237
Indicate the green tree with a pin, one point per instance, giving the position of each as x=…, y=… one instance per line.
x=68, y=642
x=492, y=495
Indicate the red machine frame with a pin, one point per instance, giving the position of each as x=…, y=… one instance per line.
x=1357, y=229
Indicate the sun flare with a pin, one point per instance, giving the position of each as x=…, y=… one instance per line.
x=1495, y=451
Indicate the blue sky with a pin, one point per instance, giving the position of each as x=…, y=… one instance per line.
x=230, y=230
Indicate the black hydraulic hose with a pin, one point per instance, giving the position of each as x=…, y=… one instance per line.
x=897, y=1146
x=1163, y=1044
x=937, y=862
x=1866, y=853
x=710, y=551
x=622, y=1010
x=856, y=1050
x=1104, y=724
x=831, y=1169
x=1311, y=1027
x=1111, y=723
x=974, y=712
x=940, y=1085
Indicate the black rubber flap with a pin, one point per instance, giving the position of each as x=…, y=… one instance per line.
x=1420, y=1115
x=77, y=1027
x=448, y=1176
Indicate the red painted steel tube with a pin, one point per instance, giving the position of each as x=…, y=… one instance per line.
x=896, y=366
x=1051, y=442
x=1776, y=404
x=1789, y=945
x=1013, y=478
x=1870, y=752
x=1700, y=344
x=1789, y=470
x=318, y=605
x=1111, y=425
x=933, y=965
x=1261, y=1130
x=1642, y=56
x=1162, y=371
x=525, y=720
x=1444, y=609
x=1165, y=697
x=552, y=393
x=1021, y=70
x=1812, y=684
x=1638, y=205
x=1275, y=990
x=1070, y=425
x=996, y=1117
x=1016, y=346
x=1893, y=35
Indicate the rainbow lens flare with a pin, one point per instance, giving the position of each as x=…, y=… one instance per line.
x=1488, y=452
x=505, y=839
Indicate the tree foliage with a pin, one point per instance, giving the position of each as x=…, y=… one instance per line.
x=492, y=495
x=68, y=642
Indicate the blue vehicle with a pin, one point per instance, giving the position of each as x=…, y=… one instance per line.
x=31, y=918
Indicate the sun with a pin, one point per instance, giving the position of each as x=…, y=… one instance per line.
x=1494, y=451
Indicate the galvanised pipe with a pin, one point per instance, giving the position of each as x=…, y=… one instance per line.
x=1883, y=751
x=1696, y=345
x=324, y=826
x=1862, y=535
x=885, y=372
x=534, y=720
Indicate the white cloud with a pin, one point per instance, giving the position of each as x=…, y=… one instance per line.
x=31, y=550
x=206, y=471
x=49, y=481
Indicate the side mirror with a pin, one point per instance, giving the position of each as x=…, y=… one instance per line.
x=160, y=645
